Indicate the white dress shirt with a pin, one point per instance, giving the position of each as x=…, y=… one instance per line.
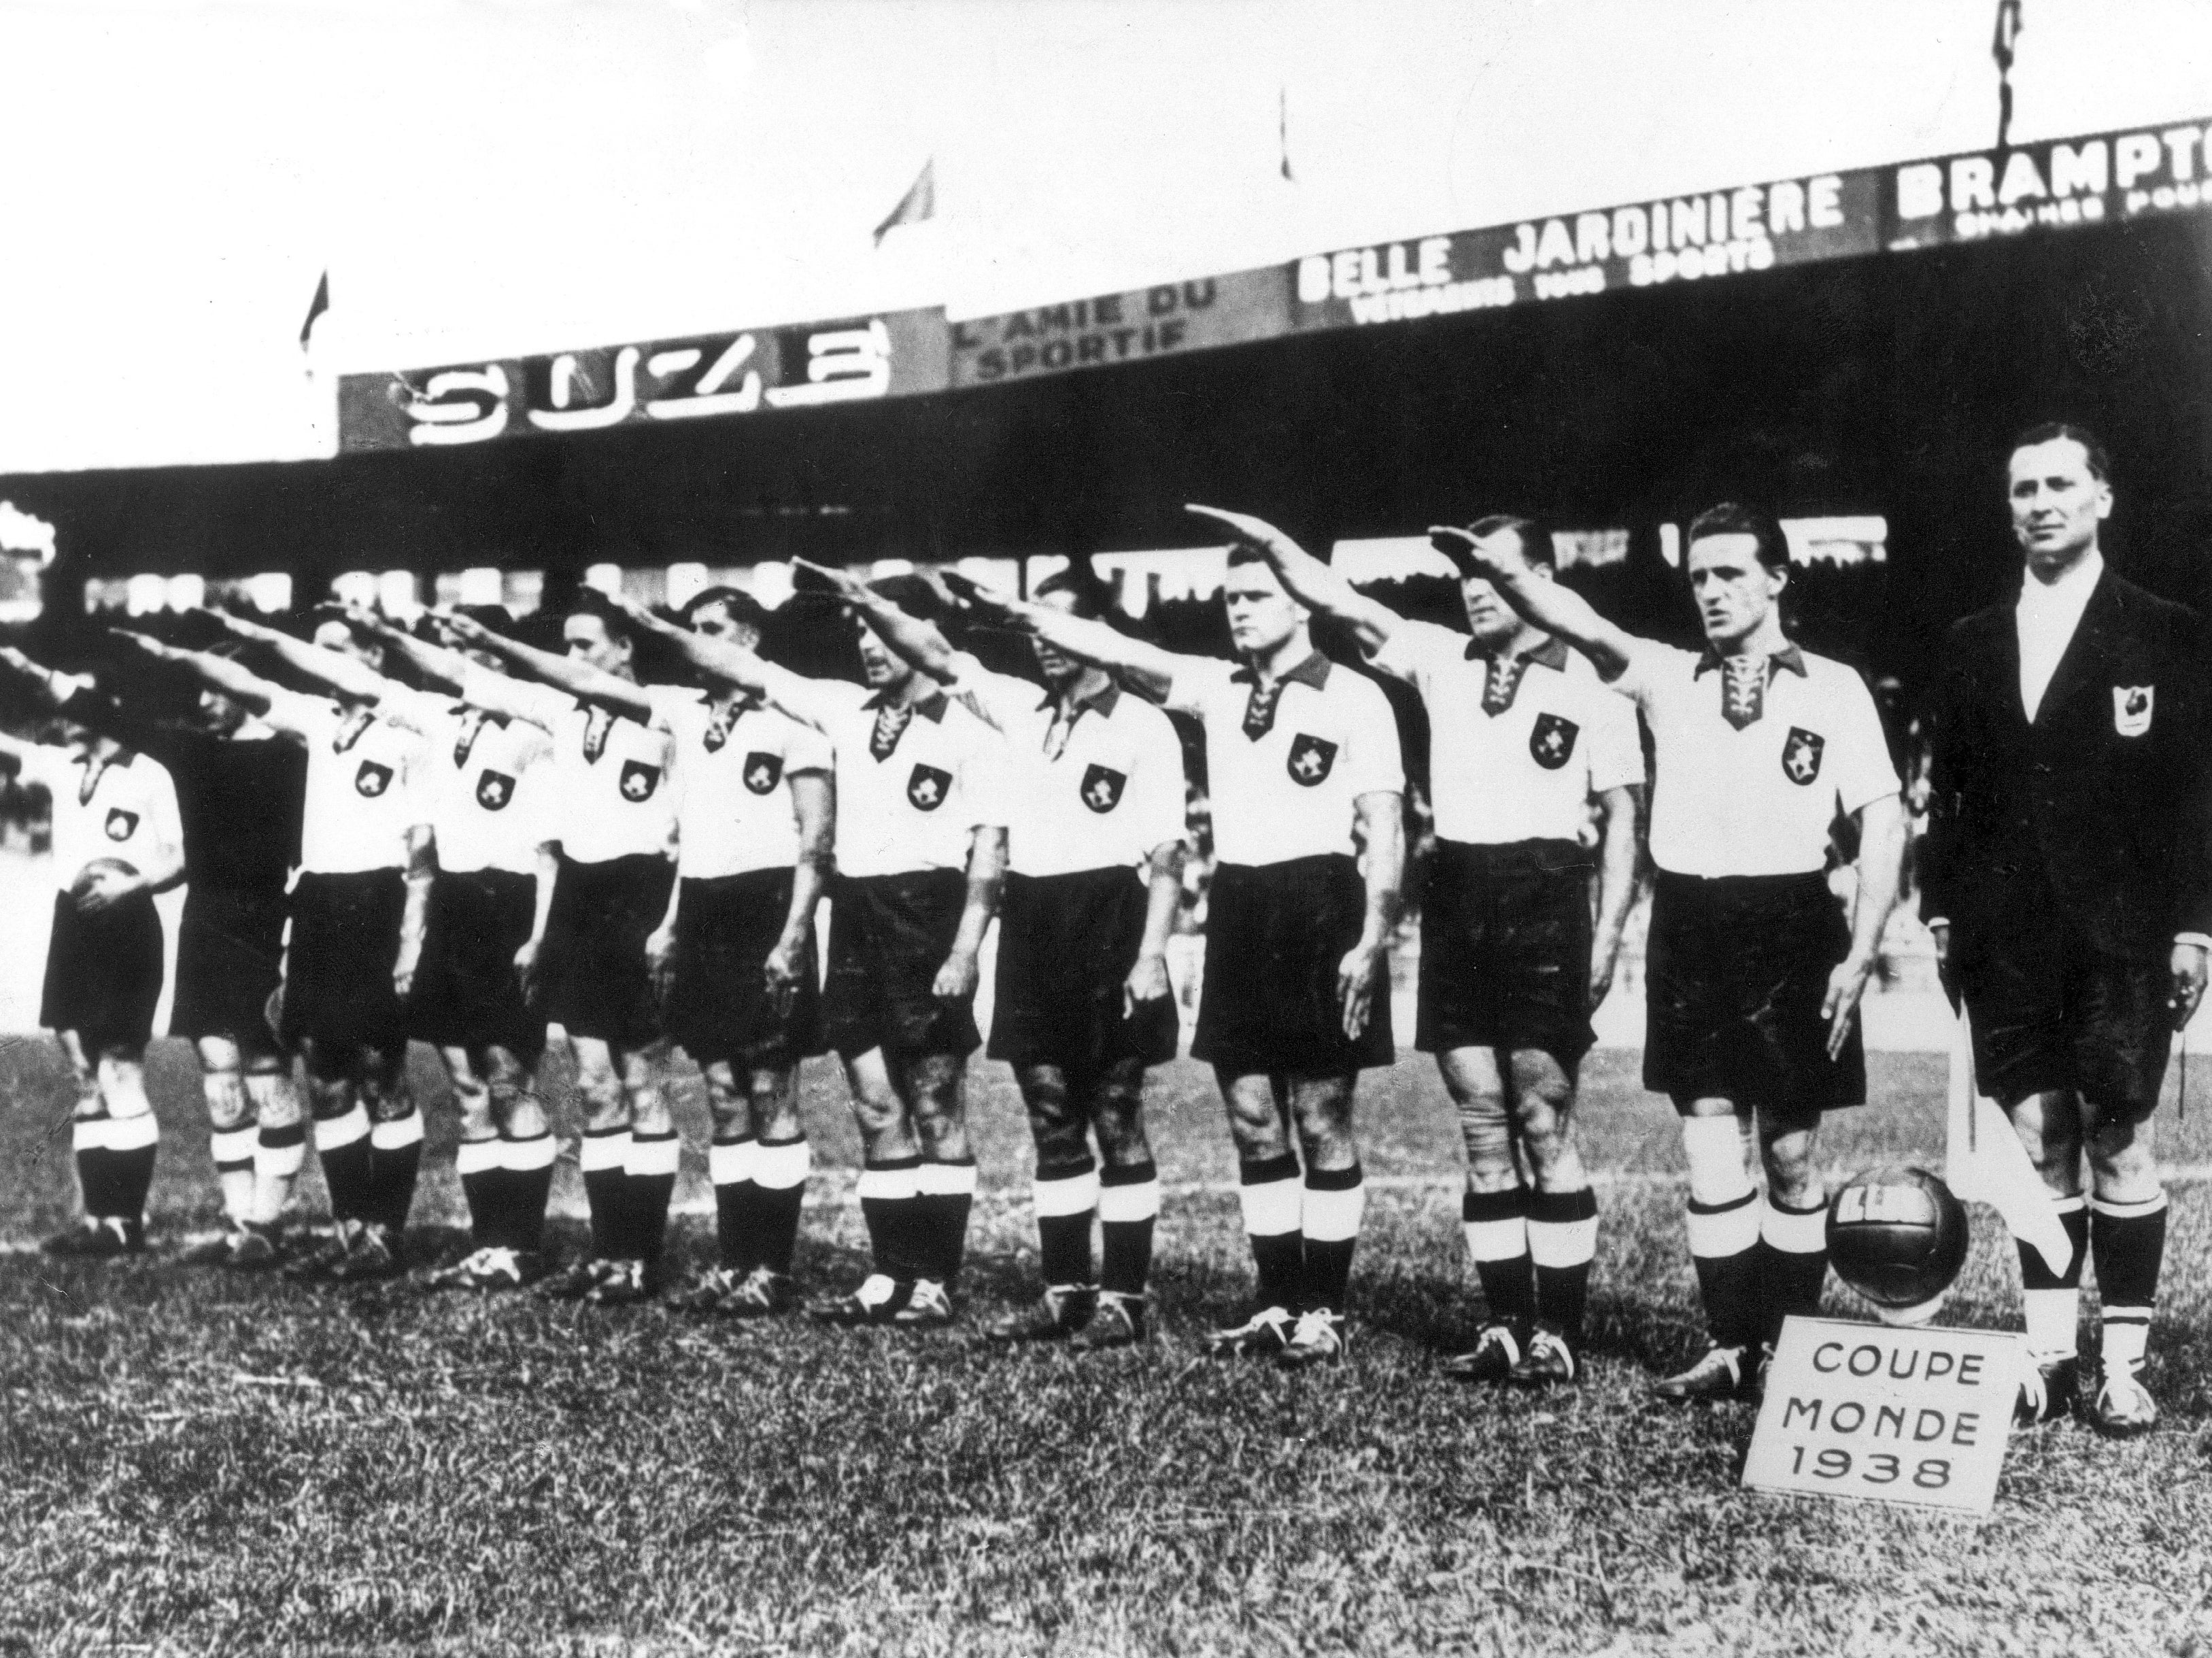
x=2047, y=615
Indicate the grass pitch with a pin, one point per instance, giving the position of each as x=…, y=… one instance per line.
x=192, y=1462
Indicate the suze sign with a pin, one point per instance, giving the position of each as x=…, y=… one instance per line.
x=664, y=380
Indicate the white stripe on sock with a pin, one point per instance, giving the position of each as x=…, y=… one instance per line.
x=474, y=1156
x=89, y=1134
x=232, y=1146
x=1793, y=1234
x=1730, y=1232
x=1496, y=1240
x=731, y=1164
x=2054, y=1318
x=398, y=1134
x=600, y=1152
x=133, y=1134
x=888, y=1185
x=2140, y=1210
x=650, y=1155
x=1562, y=1243
x=951, y=1180
x=1272, y=1207
x=781, y=1167
x=1070, y=1195
x=524, y=1156
x=335, y=1133
x=1120, y=1205
x=1332, y=1216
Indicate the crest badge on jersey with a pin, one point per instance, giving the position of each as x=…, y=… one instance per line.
x=1551, y=741
x=121, y=824
x=927, y=788
x=371, y=780
x=764, y=772
x=1311, y=759
x=1102, y=788
x=1800, y=755
x=2131, y=710
x=639, y=780
x=494, y=790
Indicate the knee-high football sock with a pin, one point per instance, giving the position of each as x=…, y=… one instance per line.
x=279, y=1150
x=342, y=1145
x=1792, y=1262
x=649, y=1171
x=481, y=1167
x=2052, y=1301
x=1495, y=1224
x=887, y=1204
x=1335, y=1202
x=232, y=1148
x=1267, y=1190
x=944, y=1192
x=529, y=1163
x=2128, y=1242
x=1128, y=1206
x=606, y=1189
x=730, y=1166
x=1562, y=1243
x=780, y=1172
x=133, y=1142
x=395, y=1159
x=95, y=1166
x=1723, y=1226
x=1065, y=1197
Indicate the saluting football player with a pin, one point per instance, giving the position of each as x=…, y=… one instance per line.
x=239, y=789
x=1523, y=740
x=116, y=843
x=2068, y=881
x=1083, y=1002
x=735, y=948
x=356, y=939
x=921, y=849
x=482, y=777
x=614, y=818
x=1752, y=975
x=1303, y=762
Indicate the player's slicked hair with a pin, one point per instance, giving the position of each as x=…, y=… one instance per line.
x=1534, y=534
x=590, y=602
x=917, y=595
x=1732, y=518
x=2052, y=431
x=492, y=618
x=740, y=605
x=1081, y=584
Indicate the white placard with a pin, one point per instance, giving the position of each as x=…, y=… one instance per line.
x=1918, y=1417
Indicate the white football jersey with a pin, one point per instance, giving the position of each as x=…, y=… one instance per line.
x=124, y=809
x=487, y=777
x=614, y=796
x=362, y=785
x=733, y=812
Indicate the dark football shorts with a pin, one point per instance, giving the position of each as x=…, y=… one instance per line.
x=592, y=971
x=337, y=975
x=467, y=993
x=230, y=958
x=888, y=934
x=103, y=972
x=718, y=1005
x=1065, y=945
x=1275, y=934
x=2049, y=1011
x=1506, y=950
x=1735, y=971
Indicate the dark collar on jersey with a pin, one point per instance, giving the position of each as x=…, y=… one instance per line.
x=1102, y=701
x=931, y=707
x=1552, y=653
x=1787, y=657
x=1313, y=672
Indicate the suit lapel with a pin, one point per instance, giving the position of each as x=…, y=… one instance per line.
x=2085, y=655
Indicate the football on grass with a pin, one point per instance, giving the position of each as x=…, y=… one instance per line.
x=1897, y=1237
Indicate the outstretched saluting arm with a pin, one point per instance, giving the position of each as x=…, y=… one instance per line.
x=731, y=664
x=241, y=684
x=922, y=644
x=579, y=679
x=1309, y=581
x=435, y=662
x=1146, y=669
x=341, y=673
x=1545, y=604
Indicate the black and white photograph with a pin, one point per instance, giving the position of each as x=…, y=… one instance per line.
x=1105, y=827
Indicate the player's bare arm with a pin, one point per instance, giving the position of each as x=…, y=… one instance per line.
x=1307, y=580
x=1380, y=828
x=1880, y=866
x=241, y=684
x=987, y=875
x=414, y=917
x=1148, y=974
x=525, y=957
x=1146, y=668
x=579, y=679
x=1543, y=604
x=1617, y=809
x=342, y=674
x=731, y=663
x=921, y=643
x=814, y=809
x=661, y=944
x=50, y=689
x=434, y=662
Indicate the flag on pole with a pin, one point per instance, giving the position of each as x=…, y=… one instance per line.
x=1985, y=1163
x=919, y=202
x=316, y=307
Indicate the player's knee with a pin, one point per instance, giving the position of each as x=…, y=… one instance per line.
x=228, y=1106
x=1059, y=1141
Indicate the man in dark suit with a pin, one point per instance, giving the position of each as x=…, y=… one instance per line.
x=2068, y=882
